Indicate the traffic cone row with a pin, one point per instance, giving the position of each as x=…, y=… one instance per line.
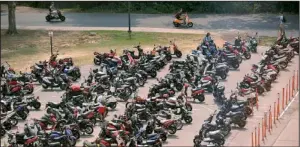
x=271, y=117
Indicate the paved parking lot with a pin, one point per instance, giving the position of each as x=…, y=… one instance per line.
x=200, y=112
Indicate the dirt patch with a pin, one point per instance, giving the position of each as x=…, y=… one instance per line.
x=23, y=9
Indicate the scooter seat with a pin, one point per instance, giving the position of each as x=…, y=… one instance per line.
x=207, y=139
x=114, y=124
x=130, y=79
x=111, y=129
x=221, y=66
x=140, y=110
x=279, y=57
x=150, y=141
x=210, y=72
x=139, y=106
x=162, y=90
x=235, y=107
x=104, y=77
x=205, y=84
x=54, y=144
x=56, y=132
x=59, y=137
x=108, y=139
x=230, y=56
x=211, y=133
x=269, y=70
x=232, y=113
x=151, y=135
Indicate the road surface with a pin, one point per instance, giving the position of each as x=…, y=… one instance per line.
x=265, y=24
x=200, y=110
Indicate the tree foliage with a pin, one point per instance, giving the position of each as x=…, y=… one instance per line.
x=240, y=7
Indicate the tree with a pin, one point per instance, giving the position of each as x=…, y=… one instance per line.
x=12, y=29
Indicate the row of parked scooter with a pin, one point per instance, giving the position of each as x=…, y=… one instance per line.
x=17, y=89
x=235, y=111
x=72, y=124
x=162, y=113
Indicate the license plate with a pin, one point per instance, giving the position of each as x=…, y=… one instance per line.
x=172, y=85
x=112, y=89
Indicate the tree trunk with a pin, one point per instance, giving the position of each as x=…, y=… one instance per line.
x=12, y=29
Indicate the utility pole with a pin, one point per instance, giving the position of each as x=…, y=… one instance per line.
x=51, y=45
x=129, y=20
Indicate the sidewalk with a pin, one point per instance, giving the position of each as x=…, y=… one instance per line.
x=242, y=137
x=289, y=132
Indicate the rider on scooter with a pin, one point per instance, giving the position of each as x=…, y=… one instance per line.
x=179, y=15
x=237, y=41
x=51, y=8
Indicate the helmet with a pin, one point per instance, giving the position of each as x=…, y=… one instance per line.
x=208, y=34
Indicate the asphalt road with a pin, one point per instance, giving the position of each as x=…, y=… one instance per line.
x=265, y=24
x=200, y=110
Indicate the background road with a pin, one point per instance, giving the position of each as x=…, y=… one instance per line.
x=265, y=24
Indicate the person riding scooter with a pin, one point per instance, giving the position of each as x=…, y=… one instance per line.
x=179, y=15
x=237, y=41
x=51, y=8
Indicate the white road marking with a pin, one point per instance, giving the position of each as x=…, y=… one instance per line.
x=289, y=105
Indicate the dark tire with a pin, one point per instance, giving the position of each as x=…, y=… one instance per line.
x=45, y=86
x=260, y=90
x=62, y=18
x=179, y=87
x=179, y=124
x=48, y=18
x=76, y=134
x=283, y=65
x=62, y=86
x=96, y=62
x=24, y=116
x=89, y=129
x=188, y=119
x=153, y=74
x=176, y=24
x=37, y=105
x=169, y=57
x=113, y=106
x=227, y=130
x=128, y=104
x=3, y=108
x=240, y=60
x=188, y=107
x=2, y=132
x=200, y=98
x=129, y=91
x=163, y=137
x=172, y=129
x=223, y=76
x=268, y=87
x=190, y=24
x=247, y=55
x=235, y=65
x=248, y=111
x=178, y=54
x=242, y=124
x=13, y=121
x=141, y=82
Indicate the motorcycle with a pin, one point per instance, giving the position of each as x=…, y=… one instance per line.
x=252, y=44
x=54, y=82
x=55, y=14
x=179, y=23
